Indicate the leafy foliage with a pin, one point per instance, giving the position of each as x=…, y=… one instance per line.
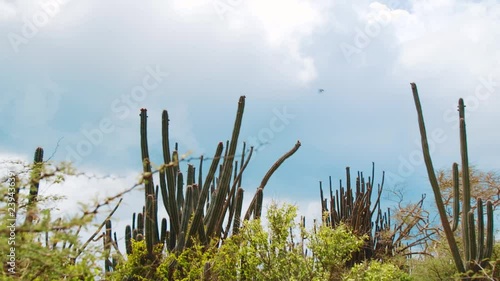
x=38, y=244
x=376, y=271
x=257, y=254
x=135, y=268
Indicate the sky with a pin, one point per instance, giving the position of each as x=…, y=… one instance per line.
x=75, y=74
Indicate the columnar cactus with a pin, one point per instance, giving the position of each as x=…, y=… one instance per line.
x=476, y=250
x=354, y=208
x=196, y=210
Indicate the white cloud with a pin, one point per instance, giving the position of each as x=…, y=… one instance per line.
x=7, y=11
x=283, y=25
x=287, y=25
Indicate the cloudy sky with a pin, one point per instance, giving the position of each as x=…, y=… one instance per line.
x=74, y=75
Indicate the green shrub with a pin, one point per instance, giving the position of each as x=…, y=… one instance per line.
x=190, y=265
x=376, y=271
x=277, y=254
x=137, y=266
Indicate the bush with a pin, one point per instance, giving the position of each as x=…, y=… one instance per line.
x=256, y=254
x=376, y=271
x=137, y=266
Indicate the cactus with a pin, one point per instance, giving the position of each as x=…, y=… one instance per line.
x=107, y=241
x=196, y=210
x=476, y=250
x=353, y=206
x=128, y=237
x=35, y=184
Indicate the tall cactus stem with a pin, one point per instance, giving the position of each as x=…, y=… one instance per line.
x=128, y=239
x=163, y=231
x=456, y=197
x=258, y=205
x=237, y=215
x=490, y=239
x=150, y=239
x=465, y=182
x=480, y=230
x=227, y=165
x=435, y=185
x=472, y=234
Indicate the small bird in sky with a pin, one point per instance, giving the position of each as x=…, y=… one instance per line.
x=321, y=91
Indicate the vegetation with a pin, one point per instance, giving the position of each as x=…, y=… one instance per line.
x=37, y=244
x=206, y=235
x=354, y=207
x=376, y=271
x=477, y=247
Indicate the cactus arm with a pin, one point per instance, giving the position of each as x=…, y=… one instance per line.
x=480, y=230
x=227, y=166
x=379, y=195
x=149, y=185
x=200, y=173
x=237, y=215
x=243, y=159
x=373, y=174
x=128, y=239
x=172, y=236
x=472, y=235
x=180, y=193
x=172, y=200
x=456, y=197
x=150, y=214
x=170, y=175
x=107, y=246
x=435, y=185
x=186, y=215
x=490, y=239
x=190, y=175
x=258, y=206
x=140, y=226
x=268, y=175
x=133, y=221
x=163, y=231
x=149, y=230
x=164, y=191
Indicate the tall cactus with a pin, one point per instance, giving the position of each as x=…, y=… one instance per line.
x=196, y=210
x=476, y=250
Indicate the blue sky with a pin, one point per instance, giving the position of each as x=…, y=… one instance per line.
x=71, y=69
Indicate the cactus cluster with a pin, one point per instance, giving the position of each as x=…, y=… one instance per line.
x=477, y=247
x=205, y=210
x=353, y=206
